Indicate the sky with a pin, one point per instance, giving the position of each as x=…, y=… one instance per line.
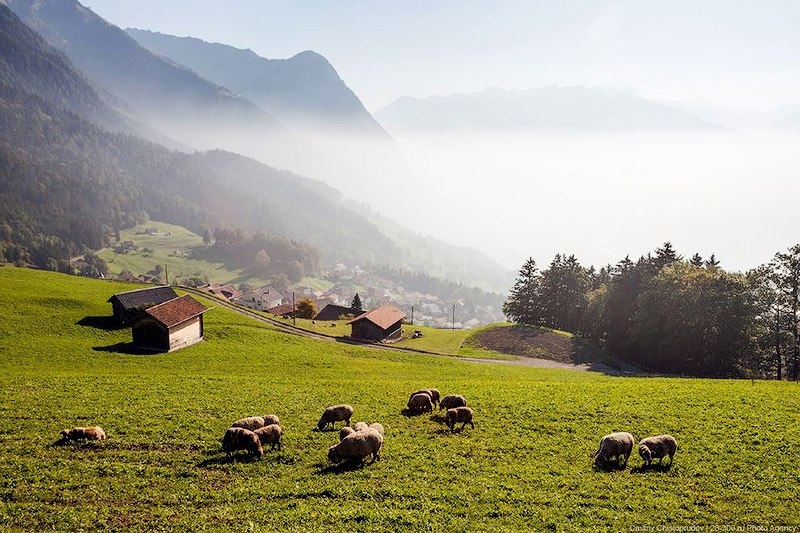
x=730, y=193
x=735, y=53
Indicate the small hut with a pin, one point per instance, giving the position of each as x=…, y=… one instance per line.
x=130, y=306
x=381, y=324
x=170, y=325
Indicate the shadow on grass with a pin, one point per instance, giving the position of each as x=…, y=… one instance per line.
x=218, y=460
x=106, y=323
x=657, y=467
x=439, y=419
x=408, y=413
x=610, y=466
x=347, y=466
x=126, y=348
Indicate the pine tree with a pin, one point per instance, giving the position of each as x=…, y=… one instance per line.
x=523, y=305
x=356, y=303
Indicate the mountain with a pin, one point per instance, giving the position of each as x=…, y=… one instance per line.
x=302, y=89
x=548, y=108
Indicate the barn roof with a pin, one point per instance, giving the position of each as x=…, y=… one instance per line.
x=383, y=317
x=177, y=310
x=143, y=298
x=280, y=310
x=333, y=312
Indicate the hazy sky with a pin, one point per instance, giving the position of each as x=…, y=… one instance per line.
x=732, y=52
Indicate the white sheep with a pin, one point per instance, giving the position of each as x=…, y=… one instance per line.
x=271, y=435
x=451, y=401
x=333, y=414
x=360, y=426
x=419, y=403
x=614, y=445
x=657, y=448
x=83, y=433
x=254, y=422
x=461, y=414
x=241, y=439
x=377, y=427
x=357, y=446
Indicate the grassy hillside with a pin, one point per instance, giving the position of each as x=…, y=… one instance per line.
x=526, y=466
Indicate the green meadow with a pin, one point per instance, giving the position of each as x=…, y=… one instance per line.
x=527, y=465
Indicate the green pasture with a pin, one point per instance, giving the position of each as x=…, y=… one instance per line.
x=527, y=465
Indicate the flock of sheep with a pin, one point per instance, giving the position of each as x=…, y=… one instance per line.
x=362, y=440
x=620, y=445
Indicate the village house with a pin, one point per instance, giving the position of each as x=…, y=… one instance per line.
x=170, y=325
x=260, y=299
x=228, y=292
x=130, y=305
x=381, y=324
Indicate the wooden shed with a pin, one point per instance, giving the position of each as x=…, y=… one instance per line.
x=129, y=306
x=170, y=325
x=381, y=324
x=336, y=312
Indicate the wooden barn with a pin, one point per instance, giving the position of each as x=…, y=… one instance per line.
x=170, y=325
x=381, y=324
x=129, y=306
x=336, y=312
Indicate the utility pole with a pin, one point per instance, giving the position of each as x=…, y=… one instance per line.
x=412, y=315
x=294, y=311
x=454, y=317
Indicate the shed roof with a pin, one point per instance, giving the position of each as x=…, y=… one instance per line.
x=383, y=317
x=333, y=312
x=144, y=298
x=177, y=310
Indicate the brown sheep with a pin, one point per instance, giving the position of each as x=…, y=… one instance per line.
x=657, y=447
x=433, y=393
x=451, y=401
x=333, y=414
x=420, y=403
x=241, y=439
x=358, y=445
x=459, y=414
x=614, y=446
x=271, y=435
x=83, y=433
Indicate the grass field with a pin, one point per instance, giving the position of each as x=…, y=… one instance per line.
x=526, y=466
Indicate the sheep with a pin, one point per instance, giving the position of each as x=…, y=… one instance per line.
x=333, y=414
x=451, y=401
x=419, y=403
x=360, y=426
x=271, y=435
x=254, y=422
x=241, y=439
x=459, y=414
x=377, y=427
x=657, y=447
x=345, y=431
x=83, y=433
x=357, y=446
x=270, y=419
x=433, y=393
x=614, y=445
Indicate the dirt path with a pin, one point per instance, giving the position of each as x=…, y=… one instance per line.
x=520, y=361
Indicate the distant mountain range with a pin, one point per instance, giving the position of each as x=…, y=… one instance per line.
x=580, y=109
x=67, y=182
x=304, y=90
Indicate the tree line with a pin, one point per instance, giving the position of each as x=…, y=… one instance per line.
x=671, y=314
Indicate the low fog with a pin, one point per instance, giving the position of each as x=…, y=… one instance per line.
x=600, y=196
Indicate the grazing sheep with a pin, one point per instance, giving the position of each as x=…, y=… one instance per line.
x=459, y=414
x=345, y=431
x=271, y=435
x=333, y=414
x=377, y=427
x=657, y=448
x=251, y=422
x=614, y=445
x=433, y=393
x=419, y=403
x=270, y=419
x=357, y=446
x=360, y=426
x=451, y=401
x=241, y=439
x=87, y=433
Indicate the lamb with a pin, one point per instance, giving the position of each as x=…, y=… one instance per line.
x=419, y=403
x=271, y=435
x=657, y=447
x=451, y=401
x=377, y=427
x=433, y=393
x=357, y=446
x=461, y=414
x=254, y=422
x=360, y=426
x=345, y=431
x=241, y=439
x=614, y=445
x=333, y=414
x=83, y=433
